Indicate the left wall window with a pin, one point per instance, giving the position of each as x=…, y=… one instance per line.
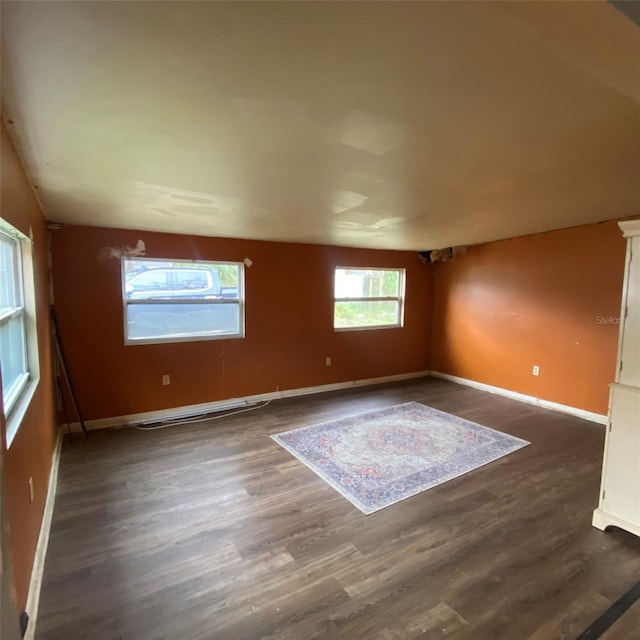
x=16, y=325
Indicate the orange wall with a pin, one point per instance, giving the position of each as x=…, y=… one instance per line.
x=31, y=451
x=506, y=306
x=289, y=323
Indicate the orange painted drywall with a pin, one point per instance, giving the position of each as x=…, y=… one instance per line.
x=31, y=451
x=538, y=300
x=289, y=323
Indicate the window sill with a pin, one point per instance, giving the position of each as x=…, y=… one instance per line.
x=221, y=336
x=369, y=327
x=19, y=410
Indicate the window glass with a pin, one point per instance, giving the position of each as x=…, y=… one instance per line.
x=153, y=280
x=191, y=280
x=13, y=321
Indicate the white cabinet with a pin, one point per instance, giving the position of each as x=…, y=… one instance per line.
x=620, y=489
x=629, y=358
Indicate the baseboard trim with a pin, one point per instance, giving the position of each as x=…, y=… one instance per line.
x=206, y=407
x=514, y=395
x=35, y=584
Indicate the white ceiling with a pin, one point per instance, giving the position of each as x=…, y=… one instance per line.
x=391, y=125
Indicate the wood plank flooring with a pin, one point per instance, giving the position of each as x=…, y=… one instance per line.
x=212, y=531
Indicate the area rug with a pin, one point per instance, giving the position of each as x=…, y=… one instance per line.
x=380, y=457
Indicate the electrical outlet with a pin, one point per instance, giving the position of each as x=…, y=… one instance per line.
x=30, y=489
x=166, y=379
x=327, y=361
x=536, y=370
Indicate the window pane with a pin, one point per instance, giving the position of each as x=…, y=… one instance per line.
x=366, y=283
x=8, y=259
x=229, y=275
x=156, y=321
x=12, y=353
x=366, y=314
x=153, y=281
x=175, y=279
x=390, y=283
x=192, y=280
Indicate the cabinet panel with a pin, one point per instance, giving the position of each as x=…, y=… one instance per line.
x=630, y=335
x=622, y=467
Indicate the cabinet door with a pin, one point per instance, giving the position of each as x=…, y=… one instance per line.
x=630, y=352
x=622, y=464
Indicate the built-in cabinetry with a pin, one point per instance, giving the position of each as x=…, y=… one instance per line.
x=620, y=489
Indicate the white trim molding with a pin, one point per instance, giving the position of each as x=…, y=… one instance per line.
x=630, y=228
x=601, y=520
x=232, y=403
x=521, y=397
x=35, y=584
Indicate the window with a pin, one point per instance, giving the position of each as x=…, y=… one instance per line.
x=18, y=334
x=368, y=298
x=179, y=300
x=13, y=326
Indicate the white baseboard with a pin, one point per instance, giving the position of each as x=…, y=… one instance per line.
x=35, y=584
x=514, y=395
x=207, y=407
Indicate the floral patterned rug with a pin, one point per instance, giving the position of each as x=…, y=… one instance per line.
x=380, y=457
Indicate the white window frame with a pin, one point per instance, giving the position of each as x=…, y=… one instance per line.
x=197, y=264
x=17, y=399
x=402, y=276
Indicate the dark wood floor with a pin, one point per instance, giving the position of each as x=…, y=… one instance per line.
x=212, y=531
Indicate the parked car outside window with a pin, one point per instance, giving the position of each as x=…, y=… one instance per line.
x=174, y=282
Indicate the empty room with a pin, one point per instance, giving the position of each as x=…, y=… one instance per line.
x=320, y=320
